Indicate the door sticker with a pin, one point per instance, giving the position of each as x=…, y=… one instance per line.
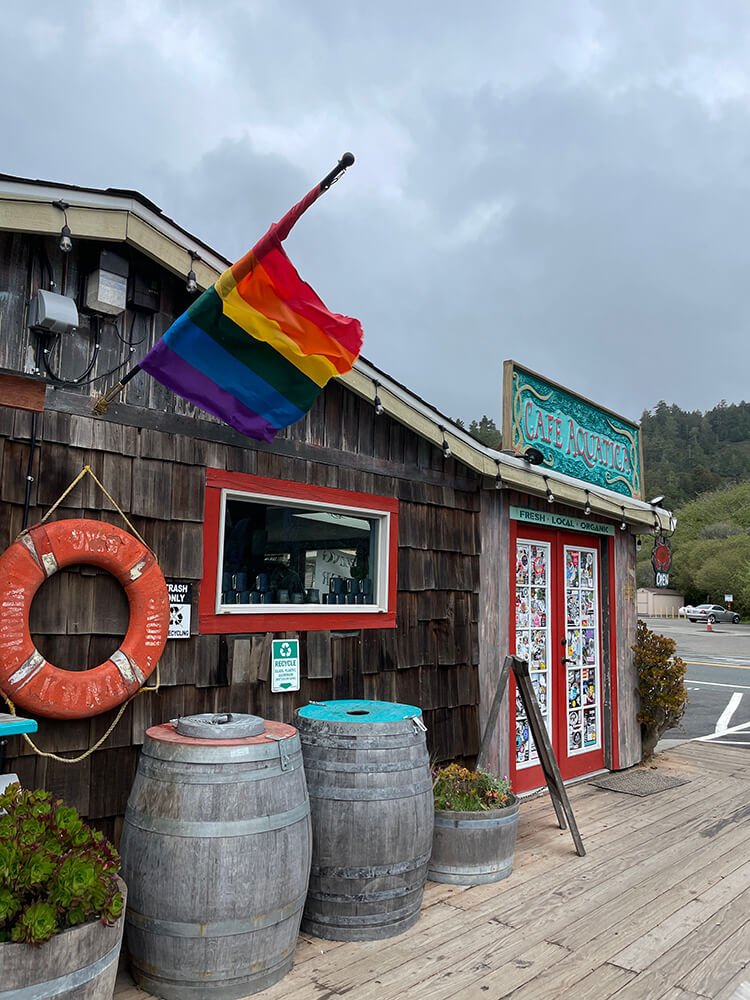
x=533, y=638
x=582, y=649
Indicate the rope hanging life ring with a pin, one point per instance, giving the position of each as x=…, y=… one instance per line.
x=25, y=676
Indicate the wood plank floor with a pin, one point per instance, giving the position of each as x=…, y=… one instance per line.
x=659, y=909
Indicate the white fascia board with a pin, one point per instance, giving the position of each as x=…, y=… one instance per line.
x=25, y=191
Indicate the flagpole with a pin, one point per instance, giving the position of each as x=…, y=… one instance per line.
x=102, y=403
x=346, y=161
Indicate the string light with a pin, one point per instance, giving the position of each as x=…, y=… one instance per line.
x=446, y=447
x=623, y=524
x=550, y=494
x=498, y=478
x=379, y=408
x=66, y=243
x=192, y=284
x=587, y=508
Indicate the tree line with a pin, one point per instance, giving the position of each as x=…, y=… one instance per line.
x=687, y=453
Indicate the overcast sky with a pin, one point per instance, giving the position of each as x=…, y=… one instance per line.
x=562, y=183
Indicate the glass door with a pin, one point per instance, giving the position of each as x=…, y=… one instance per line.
x=533, y=641
x=582, y=659
x=556, y=627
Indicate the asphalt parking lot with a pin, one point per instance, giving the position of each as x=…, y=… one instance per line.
x=717, y=681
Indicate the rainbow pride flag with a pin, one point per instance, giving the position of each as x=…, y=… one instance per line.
x=257, y=348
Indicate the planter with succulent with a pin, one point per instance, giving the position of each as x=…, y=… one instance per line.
x=61, y=901
x=476, y=820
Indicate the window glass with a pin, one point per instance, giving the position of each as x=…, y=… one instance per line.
x=279, y=552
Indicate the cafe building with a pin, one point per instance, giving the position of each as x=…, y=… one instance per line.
x=392, y=555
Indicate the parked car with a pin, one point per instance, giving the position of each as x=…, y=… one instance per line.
x=713, y=613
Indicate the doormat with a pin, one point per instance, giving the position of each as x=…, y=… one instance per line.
x=638, y=781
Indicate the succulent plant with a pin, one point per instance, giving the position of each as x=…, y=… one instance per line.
x=55, y=871
x=458, y=789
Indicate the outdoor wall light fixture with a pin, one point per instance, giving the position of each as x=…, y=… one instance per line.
x=587, y=508
x=533, y=456
x=192, y=284
x=550, y=494
x=379, y=408
x=446, y=447
x=623, y=523
x=656, y=501
x=66, y=243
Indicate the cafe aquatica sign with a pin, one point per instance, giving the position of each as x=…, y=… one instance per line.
x=575, y=436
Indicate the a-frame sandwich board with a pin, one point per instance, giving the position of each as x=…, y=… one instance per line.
x=544, y=750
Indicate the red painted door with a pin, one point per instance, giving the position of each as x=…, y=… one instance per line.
x=556, y=599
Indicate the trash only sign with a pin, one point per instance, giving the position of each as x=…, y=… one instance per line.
x=180, y=602
x=284, y=665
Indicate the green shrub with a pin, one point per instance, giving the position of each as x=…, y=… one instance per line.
x=661, y=687
x=55, y=872
x=460, y=790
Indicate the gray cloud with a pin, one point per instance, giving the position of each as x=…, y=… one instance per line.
x=564, y=184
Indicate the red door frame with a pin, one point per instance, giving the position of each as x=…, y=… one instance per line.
x=528, y=778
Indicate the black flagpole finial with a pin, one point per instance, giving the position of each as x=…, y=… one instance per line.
x=346, y=161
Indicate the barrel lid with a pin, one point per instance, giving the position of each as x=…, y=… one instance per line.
x=220, y=726
x=358, y=711
x=273, y=732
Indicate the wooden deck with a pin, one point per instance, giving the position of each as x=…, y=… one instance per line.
x=659, y=909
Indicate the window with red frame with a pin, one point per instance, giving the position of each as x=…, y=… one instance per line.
x=280, y=555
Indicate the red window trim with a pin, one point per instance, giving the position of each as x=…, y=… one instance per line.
x=212, y=623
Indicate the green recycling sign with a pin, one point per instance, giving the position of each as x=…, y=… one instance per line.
x=284, y=665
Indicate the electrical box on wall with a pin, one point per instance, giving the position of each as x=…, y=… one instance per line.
x=106, y=287
x=144, y=292
x=53, y=313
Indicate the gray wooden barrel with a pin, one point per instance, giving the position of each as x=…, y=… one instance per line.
x=470, y=848
x=77, y=964
x=370, y=785
x=216, y=849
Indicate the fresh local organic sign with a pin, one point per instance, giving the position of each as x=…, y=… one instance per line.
x=559, y=521
x=574, y=436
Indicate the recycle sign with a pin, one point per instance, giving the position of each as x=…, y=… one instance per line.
x=284, y=665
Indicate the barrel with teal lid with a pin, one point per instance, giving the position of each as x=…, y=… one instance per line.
x=370, y=786
x=216, y=849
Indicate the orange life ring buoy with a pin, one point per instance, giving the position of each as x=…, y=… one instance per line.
x=25, y=676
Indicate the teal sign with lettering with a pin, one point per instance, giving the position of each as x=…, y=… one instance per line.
x=529, y=516
x=575, y=436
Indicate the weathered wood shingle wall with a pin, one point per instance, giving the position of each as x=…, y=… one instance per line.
x=158, y=478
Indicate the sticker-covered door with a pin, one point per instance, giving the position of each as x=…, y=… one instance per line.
x=556, y=625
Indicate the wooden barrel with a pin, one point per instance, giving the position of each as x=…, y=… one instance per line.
x=216, y=845
x=77, y=964
x=370, y=785
x=471, y=848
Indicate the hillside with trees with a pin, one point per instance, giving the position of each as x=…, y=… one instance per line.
x=701, y=463
x=710, y=549
x=689, y=453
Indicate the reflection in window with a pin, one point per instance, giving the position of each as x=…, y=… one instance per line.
x=274, y=553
